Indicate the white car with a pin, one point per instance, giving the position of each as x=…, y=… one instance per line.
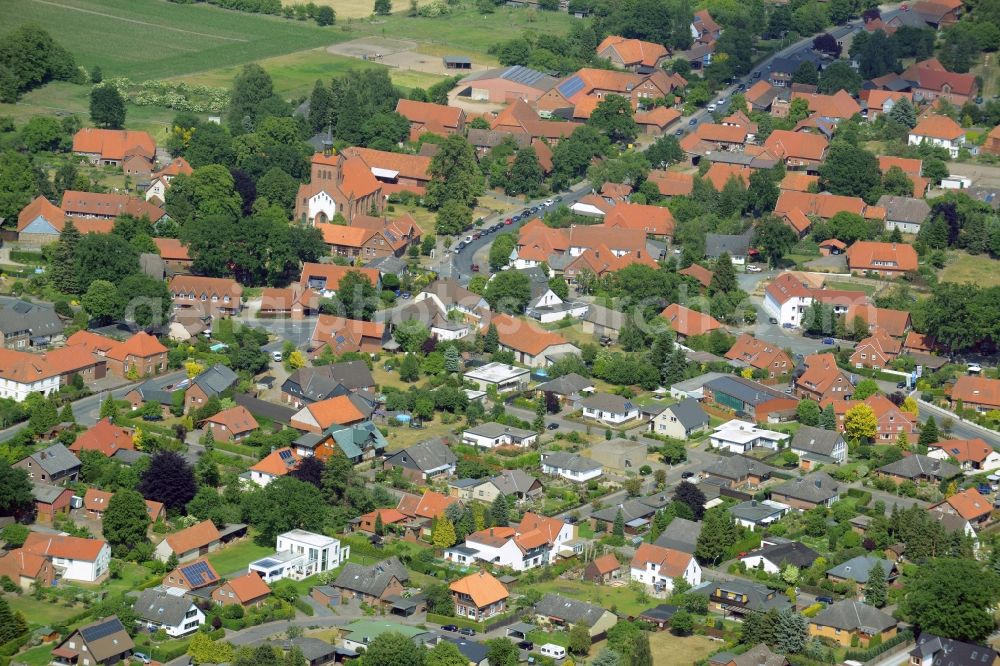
x=277, y=356
x=711, y=107
x=468, y=239
x=753, y=268
x=974, y=368
x=549, y=202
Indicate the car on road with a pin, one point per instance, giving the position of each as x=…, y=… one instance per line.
x=711, y=107
x=825, y=600
x=468, y=239
x=277, y=357
x=475, y=268
x=679, y=132
x=787, y=325
x=753, y=268
x=549, y=202
x=449, y=627
x=141, y=657
x=467, y=632
x=756, y=75
x=526, y=645
x=405, y=295
x=687, y=475
x=552, y=426
x=901, y=385
x=693, y=121
x=508, y=221
x=828, y=341
x=772, y=320
x=742, y=86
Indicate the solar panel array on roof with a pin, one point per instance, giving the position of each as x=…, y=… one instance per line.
x=521, y=74
x=97, y=632
x=571, y=86
x=198, y=573
x=285, y=455
x=21, y=307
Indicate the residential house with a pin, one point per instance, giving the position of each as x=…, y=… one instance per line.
x=904, y=213
x=807, y=492
x=636, y=513
x=711, y=138
x=156, y=191
x=433, y=118
x=113, y=147
x=218, y=297
x=423, y=461
x=559, y=611
x=588, y=86
x=738, y=597
x=851, y=623
x=738, y=472
x=981, y=394
x=839, y=106
x=738, y=436
x=760, y=355
x=300, y=554
x=658, y=567
x=248, y=591
x=655, y=221
x=633, y=55
x=569, y=389
x=104, y=642
x=492, y=435
x=817, y=446
x=892, y=421
x=213, y=382
x=970, y=505
x=798, y=150
x=358, y=442
x=609, y=409
x=422, y=510
x=823, y=381
x=361, y=633
x=932, y=650
x=880, y=102
x=26, y=569
x=478, y=596
x=973, y=455
x=787, y=300
x=930, y=81
x=24, y=324
x=893, y=322
x=521, y=122
x=680, y=420
x=939, y=131
x=825, y=205
x=672, y=183
x=876, y=351
x=503, y=546
x=992, y=144
x=509, y=483
x=104, y=437
x=752, y=514
x=96, y=502
x=375, y=584
x=368, y=522
x=74, y=558
x=704, y=28
x=680, y=534
x=192, y=576
x=603, y=570
x=570, y=466
x=918, y=468
x=775, y=554
x=317, y=417
x=54, y=465
x=686, y=322
x=737, y=246
x=699, y=274
x=759, y=655
x=141, y=355
x=22, y=374
x=276, y=464
x=858, y=569
x=314, y=384
x=532, y=346
x=748, y=399
x=50, y=500
x=339, y=184
x=189, y=543
x=167, y=609
x=231, y=425
x=96, y=211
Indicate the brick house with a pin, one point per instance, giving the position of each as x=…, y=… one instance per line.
x=478, y=596
x=249, y=591
x=141, y=355
x=213, y=296
x=338, y=184
x=232, y=425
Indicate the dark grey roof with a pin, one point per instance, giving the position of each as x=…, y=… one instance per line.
x=215, y=380
x=988, y=195
x=129, y=456
x=277, y=413
x=745, y=390
x=566, y=384
x=598, y=314
x=484, y=138
x=631, y=510
x=753, y=511
x=372, y=580
x=949, y=652
x=34, y=319
x=815, y=488
x=457, y=60
x=607, y=402
x=752, y=161
x=55, y=459
x=917, y=465
x=789, y=64
x=759, y=597
x=904, y=209
x=427, y=455
x=570, y=461
x=494, y=430
x=851, y=615
x=816, y=440
x=793, y=552
x=513, y=481
x=157, y=389
x=738, y=468
x=663, y=612
x=46, y=493
x=734, y=244
x=318, y=141
x=681, y=534
x=328, y=381
x=569, y=610
x=859, y=568
x=473, y=651
x=689, y=413
x=390, y=263
x=311, y=648
x=309, y=440
x=948, y=519
x=155, y=605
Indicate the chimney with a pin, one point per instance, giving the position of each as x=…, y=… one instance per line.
x=753, y=502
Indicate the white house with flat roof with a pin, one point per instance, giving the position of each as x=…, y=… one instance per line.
x=739, y=437
x=300, y=554
x=500, y=375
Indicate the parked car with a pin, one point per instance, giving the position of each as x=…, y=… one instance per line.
x=141, y=657
x=825, y=600
x=901, y=385
x=468, y=239
x=687, y=475
x=756, y=75
x=509, y=221
x=711, y=107
x=606, y=341
x=277, y=357
x=526, y=645
x=787, y=325
x=828, y=341
x=693, y=121
x=753, y=268
x=449, y=627
x=553, y=426
x=772, y=320
x=679, y=132
x=467, y=632
x=475, y=268
x=405, y=295
x=973, y=368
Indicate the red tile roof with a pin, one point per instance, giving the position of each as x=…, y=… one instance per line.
x=481, y=587
x=797, y=145
x=977, y=390
x=334, y=411
x=633, y=51
x=759, y=354
x=893, y=322
x=938, y=127
x=838, y=105
x=699, y=273
x=274, y=463
x=966, y=450
x=825, y=205
x=113, y=144
x=930, y=75
x=687, y=322
x=248, y=587
x=197, y=536
x=93, y=342
x=333, y=274
x=172, y=249
x=205, y=286
x=69, y=359
x=107, y=205
x=970, y=504
x=61, y=546
x=672, y=183
x=140, y=345
x=785, y=287
x=672, y=563
x=519, y=335
x=872, y=255
x=878, y=98
x=652, y=220
x=606, y=564
x=237, y=420
x=798, y=181
x=719, y=174
x=104, y=437
x=437, y=118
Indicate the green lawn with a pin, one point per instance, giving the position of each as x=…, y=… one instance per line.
x=977, y=269
x=235, y=558
x=850, y=286
x=150, y=39
x=37, y=656
x=622, y=598
x=41, y=613
x=670, y=649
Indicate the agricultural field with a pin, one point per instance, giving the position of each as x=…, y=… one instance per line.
x=151, y=39
x=977, y=269
x=355, y=9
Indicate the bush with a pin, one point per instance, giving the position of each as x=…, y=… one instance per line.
x=303, y=606
x=863, y=496
x=875, y=650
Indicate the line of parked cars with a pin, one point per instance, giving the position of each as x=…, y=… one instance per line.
x=492, y=229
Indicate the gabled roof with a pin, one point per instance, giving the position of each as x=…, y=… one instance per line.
x=918, y=465
x=64, y=547
x=816, y=440
x=823, y=205
x=248, y=587
x=103, y=436
x=374, y=579
x=569, y=610
x=512, y=481
x=938, y=127
x=605, y=564
x=893, y=322
x=687, y=322
x=429, y=505
x=792, y=552
x=277, y=463
x=215, y=380
x=633, y=51
x=699, y=273
x=112, y=144
x=408, y=166
x=680, y=534
x=481, y=587
x=236, y=419
x=671, y=562
x=796, y=145
x=569, y=461
x=838, y=105
x=977, y=390
x=55, y=459
x=566, y=384
x=607, y=402
x=104, y=638
x=969, y=504
x=107, y=205
x=172, y=249
x=435, y=117
x=940, y=651
x=519, y=335
x=161, y=607
x=859, y=568
x=197, y=285
x=798, y=181
x=140, y=345
x=738, y=468
x=966, y=450
x=931, y=75
x=689, y=413
x=429, y=455
x=655, y=220
x=198, y=535
x=672, y=183
x=865, y=255
x=758, y=353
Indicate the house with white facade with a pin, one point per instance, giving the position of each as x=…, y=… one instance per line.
x=753, y=514
x=939, y=131
x=610, y=409
x=786, y=299
x=818, y=445
x=571, y=466
x=680, y=421
x=657, y=567
x=973, y=455
x=503, y=377
x=535, y=541
x=74, y=558
x=740, y=436
x=300, y=554
x=169, y=609
x=22, y=374
x=776, y=553
x=492, y=435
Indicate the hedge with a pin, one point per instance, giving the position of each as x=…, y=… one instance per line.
x=863, y=496
x=13, y=646
x=303, y=606
x=871, y=653
x=169, y=651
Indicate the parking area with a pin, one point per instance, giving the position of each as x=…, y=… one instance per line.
x=399, y=53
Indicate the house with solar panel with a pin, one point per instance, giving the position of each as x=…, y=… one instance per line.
x=192, y=576
x=300, y=554
x=99, y=643
x=169, y=609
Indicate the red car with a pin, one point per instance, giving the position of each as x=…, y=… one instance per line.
x=508, y=221
x=475, y=268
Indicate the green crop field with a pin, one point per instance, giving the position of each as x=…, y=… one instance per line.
x=152, y=39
